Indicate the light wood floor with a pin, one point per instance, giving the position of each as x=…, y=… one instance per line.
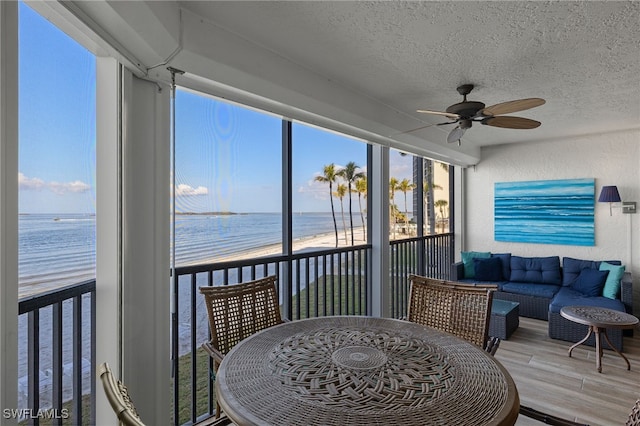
x=548, y=380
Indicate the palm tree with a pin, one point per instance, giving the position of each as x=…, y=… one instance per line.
x=341, y=191
x=361, y=189
x=441, y=205
x=350, y=175
x=393, y=187
x=405, y=186
x=329, y=175
x=428, y=188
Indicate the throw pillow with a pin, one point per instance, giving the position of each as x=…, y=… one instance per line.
x=590, y=282
x=467, y=260
x=506, y=264
x=489, y=269
x=612, y=284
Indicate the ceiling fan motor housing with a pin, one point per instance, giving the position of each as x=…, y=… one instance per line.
x=466, y=109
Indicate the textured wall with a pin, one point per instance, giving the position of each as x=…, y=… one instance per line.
x=612, y=159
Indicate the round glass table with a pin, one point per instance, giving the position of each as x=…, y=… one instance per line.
x=363, y=370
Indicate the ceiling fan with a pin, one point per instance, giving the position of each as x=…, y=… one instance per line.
x=466, y=112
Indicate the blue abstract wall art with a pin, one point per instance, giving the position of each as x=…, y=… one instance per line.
x=545, y=212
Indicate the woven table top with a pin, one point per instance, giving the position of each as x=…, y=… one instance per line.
x=362, y=370
x=599, y=317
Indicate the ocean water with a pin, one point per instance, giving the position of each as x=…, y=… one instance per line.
x=56, y=250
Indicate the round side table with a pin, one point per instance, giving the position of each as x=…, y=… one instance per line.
x=598, y=320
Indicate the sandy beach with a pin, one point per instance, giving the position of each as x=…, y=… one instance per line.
x=38, y=284
x=316, y=242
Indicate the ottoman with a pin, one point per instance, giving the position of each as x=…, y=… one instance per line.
x=505, y=318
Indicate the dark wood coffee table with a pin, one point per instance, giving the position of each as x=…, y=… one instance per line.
x=598, y=320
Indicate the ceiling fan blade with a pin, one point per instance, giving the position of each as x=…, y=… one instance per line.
x=456, y=134
x=511, y=106
x=511, y=122
x=422, y=127
x=415, y=130
x=446, y=114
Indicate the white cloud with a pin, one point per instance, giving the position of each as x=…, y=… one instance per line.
x=29, y=183
x=184, y=190
x=60, y=188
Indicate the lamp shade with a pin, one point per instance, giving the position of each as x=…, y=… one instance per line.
x=609, y=194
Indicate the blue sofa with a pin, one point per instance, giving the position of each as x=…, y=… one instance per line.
x=542, y=286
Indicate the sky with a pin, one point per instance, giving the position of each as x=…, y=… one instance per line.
x=228, y=158
x=56, y=160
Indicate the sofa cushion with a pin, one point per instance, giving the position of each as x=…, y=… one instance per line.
x=542, y=270
x=571, y=268
x=467, y=260
x=529, y=289
x=489, y=269
x=506, y=264
x=590, y=282
x=567, y=296
x=612, y=285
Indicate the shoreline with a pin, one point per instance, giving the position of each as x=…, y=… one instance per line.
x=321, y=241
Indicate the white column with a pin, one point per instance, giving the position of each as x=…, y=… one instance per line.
x=108, y=241
x=133, y=169
x=460, y=210
x=380, y=283
x=145, y=246
x=8, y=208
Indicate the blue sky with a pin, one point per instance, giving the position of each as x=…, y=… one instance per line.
x=228, y=158
x=56, y=120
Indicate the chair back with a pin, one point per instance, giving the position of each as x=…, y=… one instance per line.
x=460, y=309
x=118, y=397
x=634, y=416
x=237, y=311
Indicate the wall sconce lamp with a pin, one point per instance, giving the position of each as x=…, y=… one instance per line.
x=610, y=194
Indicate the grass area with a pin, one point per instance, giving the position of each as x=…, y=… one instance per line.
x=202, y=380
x=331, y=295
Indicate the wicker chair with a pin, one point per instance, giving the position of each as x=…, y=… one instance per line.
x=238, y=311
x=633, y=420
x=118, y=397
x=634, y=416
x=460, y=309
x=547, y=418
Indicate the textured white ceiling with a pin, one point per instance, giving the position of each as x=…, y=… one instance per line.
x=370, y=65
x=582, y=57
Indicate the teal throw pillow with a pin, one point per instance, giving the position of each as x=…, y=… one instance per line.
x=467, y=260
x=612, y=285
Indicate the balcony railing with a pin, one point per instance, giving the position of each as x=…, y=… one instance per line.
x=328, y=282
x=56, y=347
x=430, y=256
x=57, y=328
